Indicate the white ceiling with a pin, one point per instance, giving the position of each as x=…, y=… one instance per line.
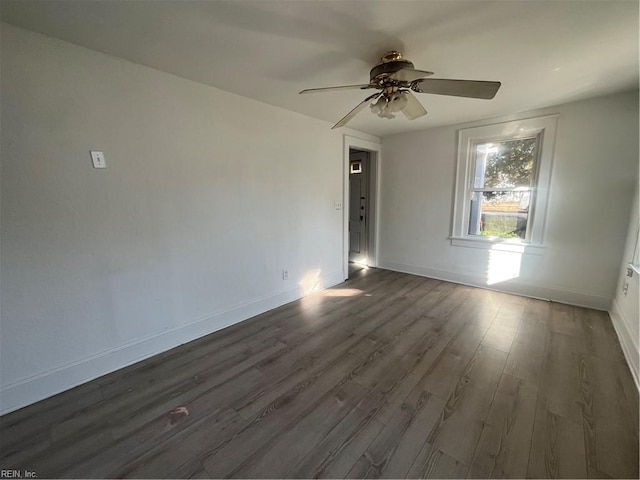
x=544, y=53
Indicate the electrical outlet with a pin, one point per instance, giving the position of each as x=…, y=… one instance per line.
x=625, y=288
x=98, y=159
x=285, y=274
x=338, y=205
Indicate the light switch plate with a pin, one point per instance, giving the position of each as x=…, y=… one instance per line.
x=98, y=159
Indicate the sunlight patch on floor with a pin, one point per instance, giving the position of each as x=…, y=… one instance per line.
x=341, y=292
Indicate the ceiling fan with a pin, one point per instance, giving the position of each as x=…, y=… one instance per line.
x=396, y=77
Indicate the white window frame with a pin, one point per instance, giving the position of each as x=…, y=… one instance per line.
x=544, y=128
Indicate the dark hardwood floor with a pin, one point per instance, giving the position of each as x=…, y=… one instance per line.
x=387, y=375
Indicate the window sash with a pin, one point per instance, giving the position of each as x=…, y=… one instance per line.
x=473, y=165
x=477, y=212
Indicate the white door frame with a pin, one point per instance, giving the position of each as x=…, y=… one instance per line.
x=375, y=162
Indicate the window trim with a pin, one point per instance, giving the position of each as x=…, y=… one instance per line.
x=542, y=127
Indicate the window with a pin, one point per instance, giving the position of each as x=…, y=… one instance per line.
x=502, y=187
x=502, y=184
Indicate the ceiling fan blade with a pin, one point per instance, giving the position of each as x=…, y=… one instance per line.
x=457, y=88
x=342, y=87
x=356, y=110
x=409, y=75
x=414, y=108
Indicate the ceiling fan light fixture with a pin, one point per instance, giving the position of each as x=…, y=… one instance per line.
x=398, y=101
x=388, y=106
x=382, y=108
x=376, y=107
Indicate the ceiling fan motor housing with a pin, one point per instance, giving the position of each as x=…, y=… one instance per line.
x=383, y=70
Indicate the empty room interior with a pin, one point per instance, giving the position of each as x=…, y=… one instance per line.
x=319, y=239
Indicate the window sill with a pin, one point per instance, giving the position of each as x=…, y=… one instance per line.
x=498, y=244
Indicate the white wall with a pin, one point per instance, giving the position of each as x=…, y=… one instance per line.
x=207, y=197
x=625, y=311
x=594, y=174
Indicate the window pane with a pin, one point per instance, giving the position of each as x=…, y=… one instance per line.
x=507, y=164
x=499, y=214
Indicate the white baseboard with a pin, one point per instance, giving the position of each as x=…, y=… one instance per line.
x=628, y=343
x=38, y=387
x=515, y=286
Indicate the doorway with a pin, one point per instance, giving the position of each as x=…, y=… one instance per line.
x=361, y=191
x=358, y=210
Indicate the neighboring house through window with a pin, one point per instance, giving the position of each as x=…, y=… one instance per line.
x=502, y=184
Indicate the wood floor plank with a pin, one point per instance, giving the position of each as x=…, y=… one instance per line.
x=376, y=299
x=471, y=310
x=401, y=455
x=398, y=381
x=292, y=445
x=563, y=320
x=504, y=326
x=394, y=306
x=613, y=433
x=391, y=351
x=510, y=313
x=14, y=455
x=503, y=449
x=559, y=388
x=426, y=371
x=444, y=376
x=530, y=343
x=484, y=307
x=598, y=340
x=192, y=469
x=557, y=448
x=616, y=449
x=499, y=337
x=432, y=463
x=336, y=454
x=26, y=431
x=459, y=427
x=392, y=452
x=60, y=456
x=283, y=373
x=168, y=458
